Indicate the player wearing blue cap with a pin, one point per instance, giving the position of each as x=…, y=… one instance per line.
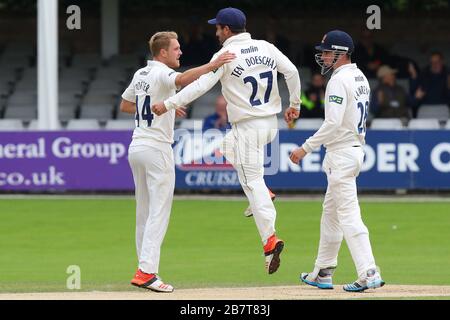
x=343, y=135
x=250, y=87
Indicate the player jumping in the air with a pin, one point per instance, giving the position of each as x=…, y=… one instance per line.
x=250, y=87
x=150, y=152
x=343, y=135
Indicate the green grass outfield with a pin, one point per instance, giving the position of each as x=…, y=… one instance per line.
x=208, y=244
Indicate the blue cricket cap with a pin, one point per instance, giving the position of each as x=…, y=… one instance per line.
x=231, y=17
x=337, y=40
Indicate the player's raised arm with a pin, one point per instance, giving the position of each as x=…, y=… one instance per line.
x=189, y=93
x=189, y=76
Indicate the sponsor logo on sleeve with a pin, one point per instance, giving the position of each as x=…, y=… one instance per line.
x=336, y=99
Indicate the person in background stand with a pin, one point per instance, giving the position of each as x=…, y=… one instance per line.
x=389, y=99
x=432, y=85
x=218, y=120
x=313, y=98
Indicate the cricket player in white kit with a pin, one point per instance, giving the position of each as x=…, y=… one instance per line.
x=150, y=153
x=250, y=87
x=343, y=135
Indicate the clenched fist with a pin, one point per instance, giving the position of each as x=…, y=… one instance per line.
x=297, y=155
x=159, y=108
x=291, y=114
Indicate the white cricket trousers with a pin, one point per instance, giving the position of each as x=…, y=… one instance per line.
x=243, y=147
x=341, y=216
x=154, y=180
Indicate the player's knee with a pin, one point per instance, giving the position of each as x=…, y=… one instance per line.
x=347, y=206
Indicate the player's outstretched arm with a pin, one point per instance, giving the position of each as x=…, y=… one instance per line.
x=191, y=75
x=190, y=93
x=130, y=107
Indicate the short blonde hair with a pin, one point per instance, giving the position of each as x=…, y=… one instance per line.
x=161, y=40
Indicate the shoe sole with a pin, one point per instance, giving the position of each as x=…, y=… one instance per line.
x=248, y=216
x=317, y=285
x=275, y=263
x=143, y=286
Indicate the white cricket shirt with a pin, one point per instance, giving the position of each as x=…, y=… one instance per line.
x=346, y=107
x=249, y=82
x=155, y=82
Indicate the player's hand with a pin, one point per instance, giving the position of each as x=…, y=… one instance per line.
x=297, y=155
x=159, y=108
x=181, y=112
x=224, y=58
x=291, y=114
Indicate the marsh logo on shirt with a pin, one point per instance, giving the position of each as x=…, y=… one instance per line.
x=336, y=99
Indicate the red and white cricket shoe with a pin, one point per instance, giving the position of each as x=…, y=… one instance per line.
x=150, y=281
x=272, y=251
